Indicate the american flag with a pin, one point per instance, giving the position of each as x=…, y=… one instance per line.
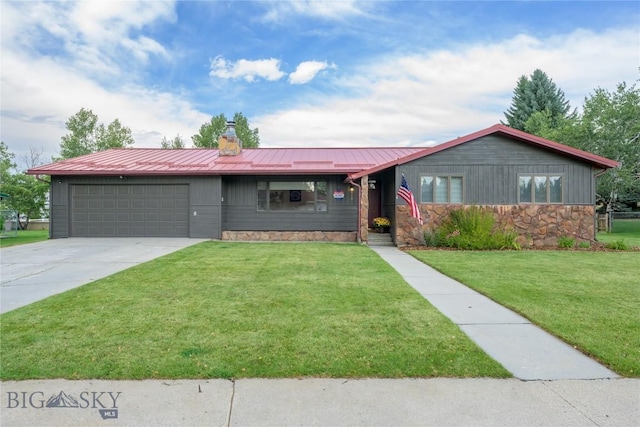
x=405, y=193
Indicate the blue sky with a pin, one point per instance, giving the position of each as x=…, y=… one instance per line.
x=306, y=73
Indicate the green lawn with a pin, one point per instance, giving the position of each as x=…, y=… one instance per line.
x=230, y=310
x=24, y=236
x=589, y=299
x=626, y=229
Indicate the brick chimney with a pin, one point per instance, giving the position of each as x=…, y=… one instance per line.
x=229, y=144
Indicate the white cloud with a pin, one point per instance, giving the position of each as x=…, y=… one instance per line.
x=89, y=35
x=306, y=71
x=268, y=69
x=409, y=100
x=38, y=109
x=87, y=44
x=279, y=11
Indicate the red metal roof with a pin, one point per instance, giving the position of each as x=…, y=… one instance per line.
x=197, y=161
x=355, y=162
x=597, y=161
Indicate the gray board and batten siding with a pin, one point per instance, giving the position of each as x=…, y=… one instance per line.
x=135, y=206
x=240, y=206
x=490, y=167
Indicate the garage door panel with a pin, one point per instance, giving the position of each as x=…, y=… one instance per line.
x=130, y=210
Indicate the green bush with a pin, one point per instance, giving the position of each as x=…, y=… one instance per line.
x=431, y=239
x=618, y=245
x=566, y=242
x=584, y=245
x=472, y=229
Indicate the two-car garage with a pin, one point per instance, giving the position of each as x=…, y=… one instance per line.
x=125, y=210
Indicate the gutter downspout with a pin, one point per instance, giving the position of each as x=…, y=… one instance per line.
x=359, y=187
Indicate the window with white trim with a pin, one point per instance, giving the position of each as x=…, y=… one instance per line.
x=540, y=188
x=441, y=189
x=302, y=196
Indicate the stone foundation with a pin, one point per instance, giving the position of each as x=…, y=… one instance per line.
x=536, y=225
x=290, y=236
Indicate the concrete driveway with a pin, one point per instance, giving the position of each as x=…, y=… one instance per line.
x=32, y=272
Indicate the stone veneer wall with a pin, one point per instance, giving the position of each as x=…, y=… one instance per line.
x=290, y=236
x=536, y=225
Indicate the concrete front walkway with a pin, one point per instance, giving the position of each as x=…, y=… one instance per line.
x=525, y=350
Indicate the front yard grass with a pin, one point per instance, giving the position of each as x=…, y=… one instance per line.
x=627, y=230
x=232, y=310
x=589, y=299
x=24, y=237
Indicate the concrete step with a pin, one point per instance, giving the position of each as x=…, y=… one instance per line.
x=379, y=239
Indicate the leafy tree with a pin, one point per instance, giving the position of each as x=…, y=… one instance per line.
x=6, y=162
x=113, y=136
x=211, y=131
x=27, y=195
x=609, y=126
x=87, y=136
x=539, y=93
x=175, y=143
x=248, y=136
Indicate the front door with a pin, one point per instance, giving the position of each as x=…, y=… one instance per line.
x=375, y=202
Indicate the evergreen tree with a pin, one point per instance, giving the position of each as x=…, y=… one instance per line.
x=536, y=94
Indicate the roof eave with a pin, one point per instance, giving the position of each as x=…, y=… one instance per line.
x=595, y=160
x=190, y=173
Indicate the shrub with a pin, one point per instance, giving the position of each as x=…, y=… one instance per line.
x=584, y=245
x=431, y=239
x=472, y=228
x=566, y=242
x=618, y=245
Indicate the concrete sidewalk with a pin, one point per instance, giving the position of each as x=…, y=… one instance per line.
x=322, y=402
x=525, y=350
